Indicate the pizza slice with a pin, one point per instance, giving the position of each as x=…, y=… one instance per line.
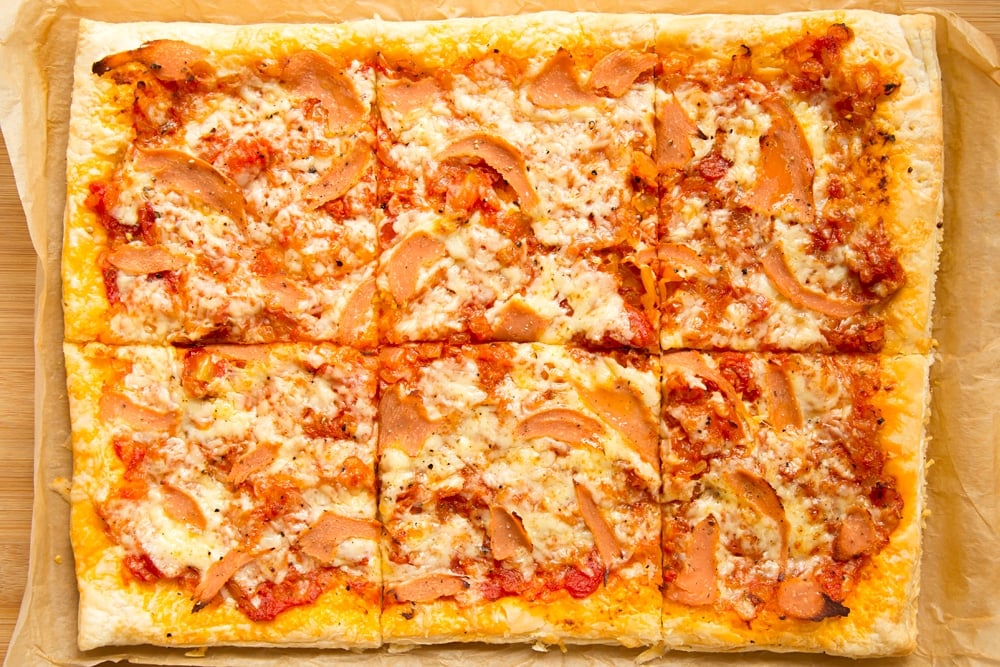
x=221, y=185
x=800, y=172
x=519, y=491
x=224, y=494
x=516, y=183
x=793, y=496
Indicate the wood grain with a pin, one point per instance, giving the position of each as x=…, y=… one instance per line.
x=17, y=289
x=17, y=280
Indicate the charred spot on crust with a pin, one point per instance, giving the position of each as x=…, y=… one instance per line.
x=831, y=608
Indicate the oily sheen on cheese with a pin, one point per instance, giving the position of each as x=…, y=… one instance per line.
x=560, y=328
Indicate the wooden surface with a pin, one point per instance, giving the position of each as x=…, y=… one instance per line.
x=17, y=281
x=17, y=289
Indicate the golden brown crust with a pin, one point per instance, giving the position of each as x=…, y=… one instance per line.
x=917, y=221
x=618, y=613
x=431, y=44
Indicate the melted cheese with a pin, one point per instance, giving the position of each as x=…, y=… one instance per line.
x=479, y=451
x=597, y=309
x=469, y=275
x=812, y=476
x=568, y=156
x=731, y=120
x=263, y=403
x=257, y=124
x=577, y=164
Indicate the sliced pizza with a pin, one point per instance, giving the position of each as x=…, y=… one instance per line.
x=792, y=488
x=800, y=172
x=519, y=488
x=224, y=494
x=380, y=331
x=516, y=182
x=221, y=185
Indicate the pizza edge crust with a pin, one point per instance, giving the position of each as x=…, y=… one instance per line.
x=917, y=224
x=623, y=612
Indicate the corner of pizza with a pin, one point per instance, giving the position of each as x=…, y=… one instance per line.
x=557, y=328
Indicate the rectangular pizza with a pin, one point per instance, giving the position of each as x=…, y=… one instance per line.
x=222, y=189
x=556, y=328
x=516, y=187
x=519, y=494
x=224, y=493
x=792, y=500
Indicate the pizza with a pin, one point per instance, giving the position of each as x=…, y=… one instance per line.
x=558, y=328
x=798, y=173
x=792, y=499
x=519, y=488
x=224, y=492
x=512, y=206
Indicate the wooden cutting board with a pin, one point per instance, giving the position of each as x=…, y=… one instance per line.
x=17, y=285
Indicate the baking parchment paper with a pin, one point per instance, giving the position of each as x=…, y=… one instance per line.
x=959, y=613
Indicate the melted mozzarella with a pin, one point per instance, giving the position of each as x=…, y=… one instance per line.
x=477, y=450
x=256, y=403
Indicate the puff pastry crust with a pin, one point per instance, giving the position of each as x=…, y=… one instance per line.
x=559, y=328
